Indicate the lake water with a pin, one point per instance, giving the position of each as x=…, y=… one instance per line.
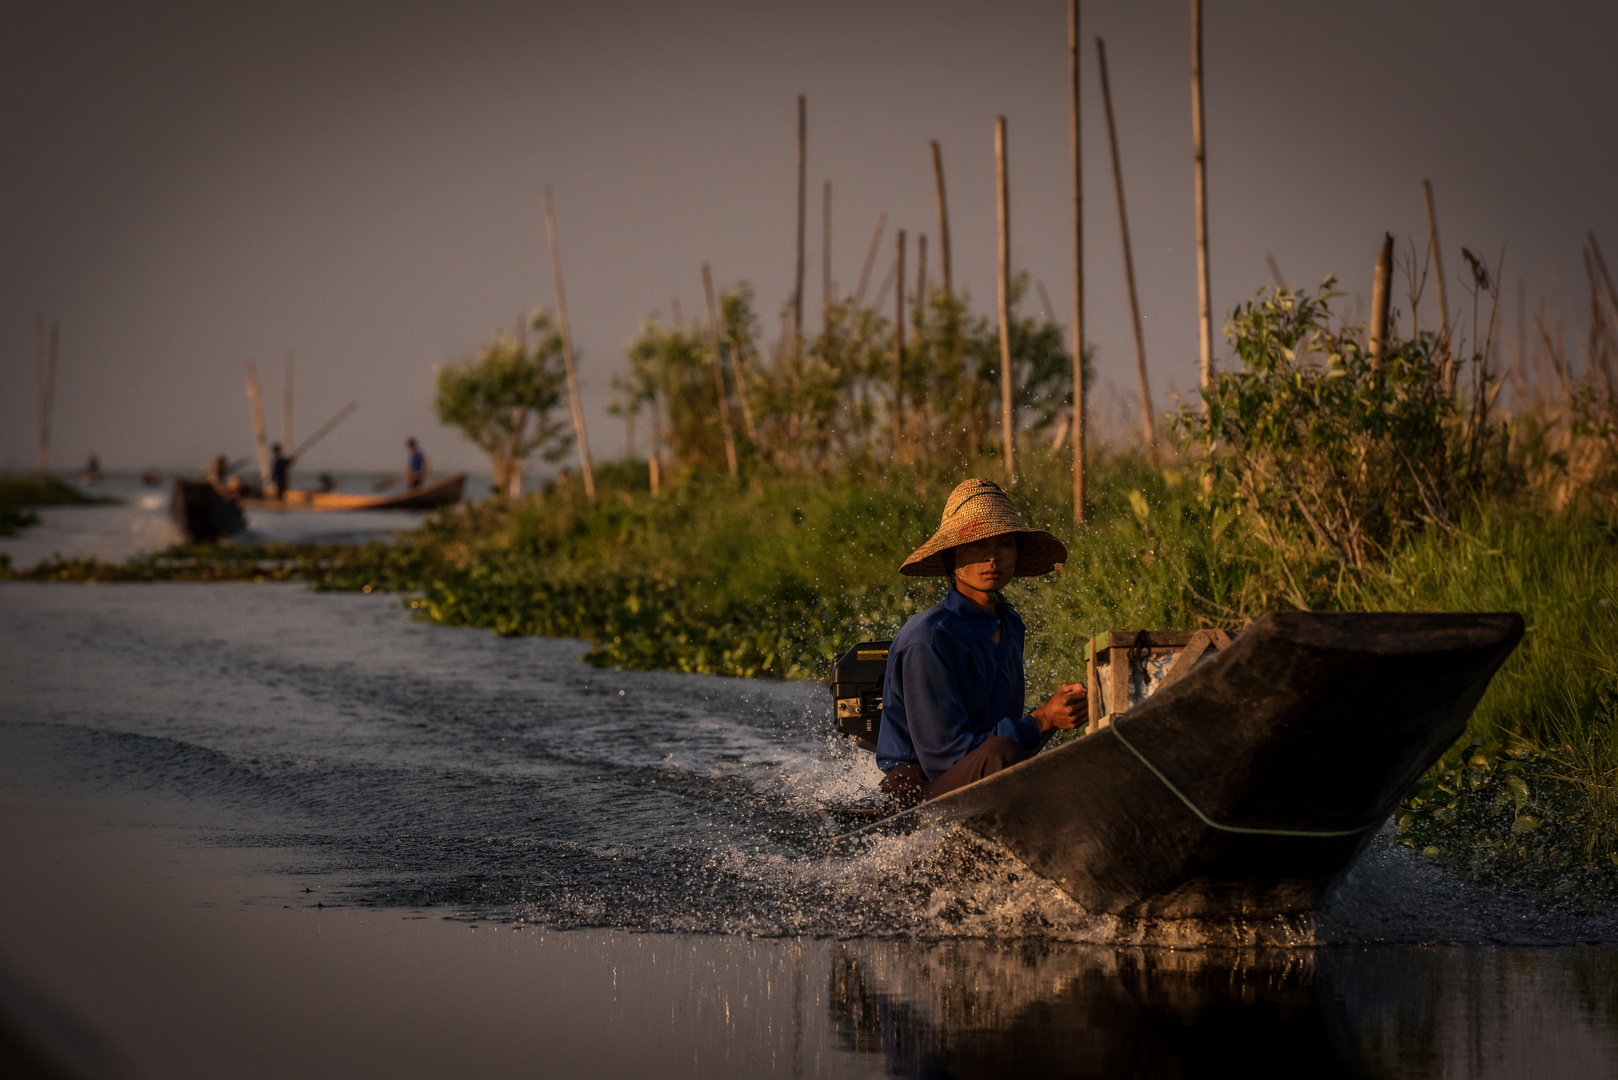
x=267, y=832
x=138, y=523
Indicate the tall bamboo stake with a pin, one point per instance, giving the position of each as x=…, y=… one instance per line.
x=803, y=196
x=679, y=320
x=1148, y=427
x=259, y=436
x=1380, y=288
x=870, y=257
x=573, y=400
x=825, y=252
x=45, y=342
x=719, y=372
x=1204, y=290
x=921, y=272
x=1438, y=259
x=1008, y=407
x=899, y=351
x=943, y=220
x=1077, y=419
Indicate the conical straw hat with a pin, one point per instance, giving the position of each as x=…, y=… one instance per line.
x=976, y=510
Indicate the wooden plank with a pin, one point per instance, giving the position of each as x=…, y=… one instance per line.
x=1093, y=702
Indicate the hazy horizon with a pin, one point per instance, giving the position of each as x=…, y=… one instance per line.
x=188, y=187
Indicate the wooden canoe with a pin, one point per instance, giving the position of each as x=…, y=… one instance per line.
x=204, y=513
x=1249, y=786
x=445, y=492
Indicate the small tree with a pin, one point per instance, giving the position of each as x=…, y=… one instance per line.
x=502, y=399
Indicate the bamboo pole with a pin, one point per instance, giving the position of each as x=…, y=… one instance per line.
x=943, y=220
x=1045, y=304
x=921, y=272
x=803, y=196
x=1008, y=407
x=259, y=437
x=719, y=373
x=1076, y=421
x=1199, y=146
x=899, y=351
x=45, y=353
x=1438, y=259
x=1148, y=427
x=286, y=406
x=1275, y=270
x=825, y=252
x=887, y=283
x=870, y=258
x=679, y=319
x=1379, y=301
x=342, y=414
x=575, y=404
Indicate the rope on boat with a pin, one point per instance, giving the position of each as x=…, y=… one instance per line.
x=1246, y=830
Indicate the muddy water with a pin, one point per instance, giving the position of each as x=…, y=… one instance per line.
x=322, y=764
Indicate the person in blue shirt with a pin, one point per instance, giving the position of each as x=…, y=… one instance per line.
x=952, y=701
x=417, y=471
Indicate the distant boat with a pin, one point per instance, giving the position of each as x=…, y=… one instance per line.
x=204, y=513
x=445, y=492
x=1249, y=786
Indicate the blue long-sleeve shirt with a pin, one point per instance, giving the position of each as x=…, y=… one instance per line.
x=950, y=686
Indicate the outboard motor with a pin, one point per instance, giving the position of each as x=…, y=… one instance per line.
x=856, y=688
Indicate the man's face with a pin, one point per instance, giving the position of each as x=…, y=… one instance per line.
x=986, y=565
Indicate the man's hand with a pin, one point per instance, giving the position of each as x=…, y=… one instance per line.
x=1067, y=709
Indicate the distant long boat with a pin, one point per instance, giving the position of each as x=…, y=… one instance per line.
x=445, y=492
x=204, y=513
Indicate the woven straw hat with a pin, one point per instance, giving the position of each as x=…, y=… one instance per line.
x=976, y=510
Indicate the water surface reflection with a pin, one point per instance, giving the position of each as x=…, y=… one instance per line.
x=973, y=1008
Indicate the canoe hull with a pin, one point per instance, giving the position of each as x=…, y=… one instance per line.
x=203, y=513
x=440, y=493
x=1249, y=787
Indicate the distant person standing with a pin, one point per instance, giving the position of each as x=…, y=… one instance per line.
x=280, y=471
x=417, y=472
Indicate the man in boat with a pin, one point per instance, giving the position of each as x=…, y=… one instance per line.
x=952, y=702
x=280, y=470
x=417, y=472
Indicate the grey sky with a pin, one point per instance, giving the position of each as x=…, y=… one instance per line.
x=189, y=185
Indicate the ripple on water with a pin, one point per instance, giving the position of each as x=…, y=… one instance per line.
x=411, y=765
